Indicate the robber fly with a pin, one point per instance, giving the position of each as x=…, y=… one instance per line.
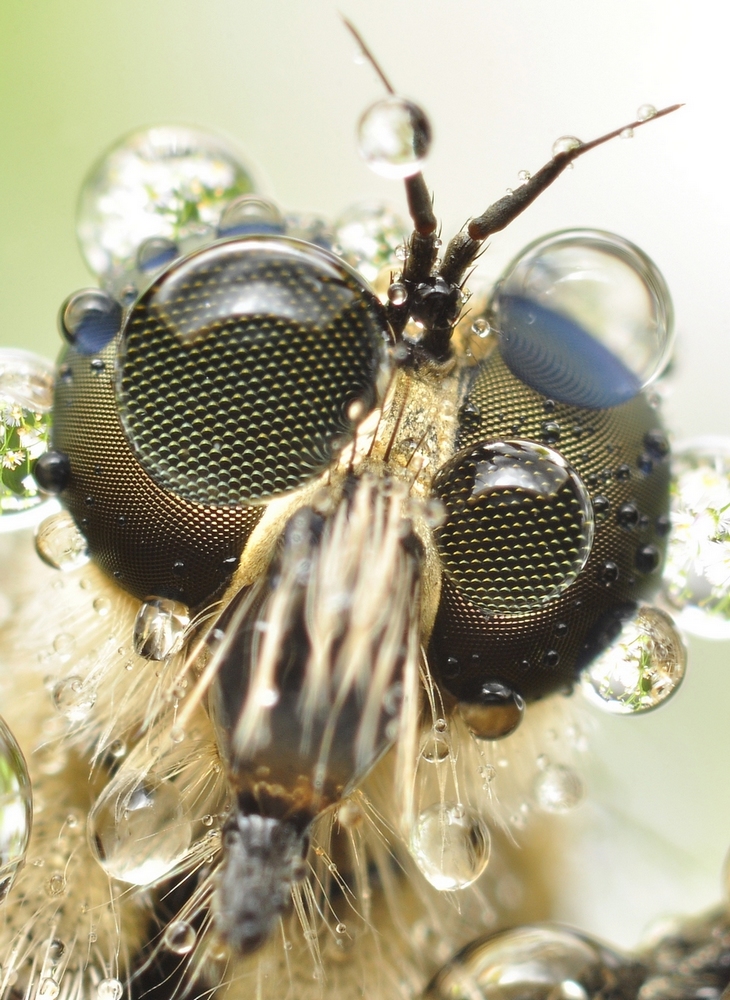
x=374, y=512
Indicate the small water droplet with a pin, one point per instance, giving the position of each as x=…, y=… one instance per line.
x=496, y=714
x=159, y=628
x=550, y=432
x=109, y=989
x=341, y=928
x=63, y=644
x=558, y=788
x=397, y=293
x=609, y=572
x=117, y=748
x=440, y=725
x=60, y=544
x=180, y=937
x=565, y=143
x=481, y=328
x=73, y=699
x=627, y=133
x=48, y=989
x=435, y=750
x=56, y=884
x=509, y=192
x=524, y=176
x=102, y=606
x=394, y=137
x=56, y=948
x=249, y=214
x=89, y=319
x=645, y=112
x=451, y=845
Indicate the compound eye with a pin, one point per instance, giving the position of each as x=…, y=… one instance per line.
x=519, y=525
x=585, y=318
x=238, y=366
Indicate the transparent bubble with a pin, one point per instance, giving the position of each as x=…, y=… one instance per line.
x=109, y=989
x=539, y=963
x=585, y=318
x=180, y=937
x=166, y=181
x=558, y=788
x=496, y=714
x=565, y=143
x=394, y=137
x=26, y=397
x=16, y=809
x=73, y=698
x=140, y=836
x=492, y=490
x=642, y=668
x=367, y=237
x=451, y=845
x=60, y=543
x=250, y=214
x=89, y=319
x=159, y=628
x=697, y=567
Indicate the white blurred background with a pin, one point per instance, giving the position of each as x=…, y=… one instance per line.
x=501, y=80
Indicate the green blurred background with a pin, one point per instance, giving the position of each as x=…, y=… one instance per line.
x=501, y=80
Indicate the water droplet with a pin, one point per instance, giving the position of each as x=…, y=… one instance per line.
x=56, y=949
x=89, y=319
x=250, y=214
x=109, y=989
x=398, y=293
x=166, y=181
x=394, y=137
x=558, y=788
x=401, y=252
x=56, y=884
x=496, y=714
x=542, y=963
x=48, y=989
x=63, y=644
x=156, y=253
x=60, y=543
x=117, y=748
x=490, y=491
x=697, y=568
x=435, y=512
x=608, y=572
x=509, y=192
x=367, y=237
x=565, y=143
x=524, y=175
x=585, y=318
x=180, y=937
x=641, y=669
x=435, y=749
x=73, y=698
x=16, y=809
x=550, y=432
x=451, y=845
x=481, y=328
x=140, y=836
x=102, y=606
x=627, y=515
x=440, y=725
x=159, y=628
x=627, y=133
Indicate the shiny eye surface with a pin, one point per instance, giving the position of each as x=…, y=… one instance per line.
x=238, y=365
x=519, y=527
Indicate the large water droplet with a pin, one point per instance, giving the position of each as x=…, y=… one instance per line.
x=180, y=937
x=367, y=236
x=451, y=845
x=697, y=568
x=565, y=143
x=140, y=836
x=394, y=137
x=166, y=181
x=558, y=788
x=60, y=543
x=16, y=809
x=585, y=318
x=26, y=396
x=496, y=490
x=643, y=667
x=534, y=962
x=497, y=712
x=159, y=628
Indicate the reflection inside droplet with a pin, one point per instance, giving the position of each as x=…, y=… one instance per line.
x=394, y=136
x=451, y=845
x=16, y=809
